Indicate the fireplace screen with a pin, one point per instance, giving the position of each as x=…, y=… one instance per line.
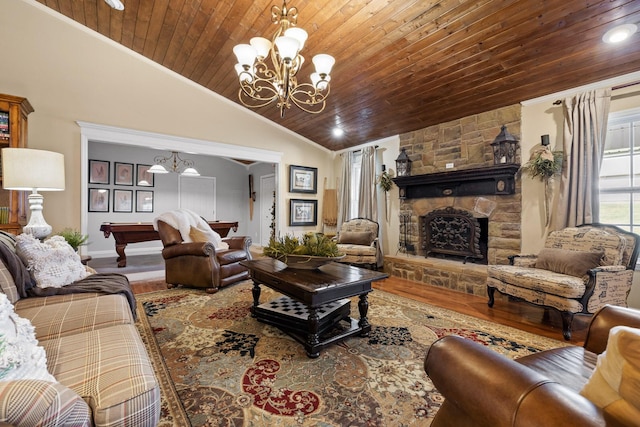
x=454, y=232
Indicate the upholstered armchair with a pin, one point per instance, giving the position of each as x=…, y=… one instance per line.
x=358, y=240
x=199, y=264
x=579, y=270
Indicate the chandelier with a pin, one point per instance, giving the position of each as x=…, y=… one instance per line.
x=175, y=164
x=261, y=85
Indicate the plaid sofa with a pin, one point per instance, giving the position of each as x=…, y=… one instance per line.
x=580, y=270
x=103, y=373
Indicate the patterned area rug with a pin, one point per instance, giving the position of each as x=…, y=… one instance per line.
x=227, y=369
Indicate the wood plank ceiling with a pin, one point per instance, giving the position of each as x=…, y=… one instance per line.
x=401, y=65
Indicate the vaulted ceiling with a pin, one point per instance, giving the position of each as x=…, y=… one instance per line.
x=401, y=65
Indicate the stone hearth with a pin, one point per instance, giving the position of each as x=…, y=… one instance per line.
x=465, y=143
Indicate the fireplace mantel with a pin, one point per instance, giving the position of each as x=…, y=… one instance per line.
x=493, y=180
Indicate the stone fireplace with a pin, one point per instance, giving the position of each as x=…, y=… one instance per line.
x=488, y=194
x=454, y=234
x=453, y=168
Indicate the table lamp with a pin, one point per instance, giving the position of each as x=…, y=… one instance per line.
x=25, y=169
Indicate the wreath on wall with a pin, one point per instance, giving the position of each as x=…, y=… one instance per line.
x=385, y=182
x=544, y=164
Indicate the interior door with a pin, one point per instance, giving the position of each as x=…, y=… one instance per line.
x=267, y=189
x=198, y=193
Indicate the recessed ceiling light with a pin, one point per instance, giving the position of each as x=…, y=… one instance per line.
x=338, y=132
x=620, y=33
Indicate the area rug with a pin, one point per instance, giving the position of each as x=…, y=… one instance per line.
x=224, y=368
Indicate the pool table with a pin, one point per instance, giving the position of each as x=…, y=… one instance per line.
x=136, y=232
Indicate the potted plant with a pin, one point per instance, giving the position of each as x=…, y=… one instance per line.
x=74, y=238
x=312, y=251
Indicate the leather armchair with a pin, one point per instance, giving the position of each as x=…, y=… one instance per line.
x=484, y=388
x=200, y=264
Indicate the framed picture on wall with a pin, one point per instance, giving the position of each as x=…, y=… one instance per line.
x=144, y=201
x=98, y=200
x=122, y=200
x=143, y=177
x=303, y=212
x=123, y=173
x=98, y=172
x=303, y=179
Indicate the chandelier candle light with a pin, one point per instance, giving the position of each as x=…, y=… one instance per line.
x=261, y=85
x=175, y=163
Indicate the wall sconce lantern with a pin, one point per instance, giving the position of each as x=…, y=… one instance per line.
x=403, y=164
x=504, y=147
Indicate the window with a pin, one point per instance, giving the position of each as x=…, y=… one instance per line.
x=620, y=172
x=354, y=189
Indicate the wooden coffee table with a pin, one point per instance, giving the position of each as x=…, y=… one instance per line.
x=314, y=301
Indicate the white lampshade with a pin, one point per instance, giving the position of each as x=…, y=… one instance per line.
x=323, y=63
x=261, y=45
x=27, y=169
x=245, y=53
x=287, y=47
x=298, y=34
x=116, y=4
x=190, y=172
x=157, y=169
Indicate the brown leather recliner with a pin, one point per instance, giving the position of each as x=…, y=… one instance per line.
x=199, y=264
x=484, y=388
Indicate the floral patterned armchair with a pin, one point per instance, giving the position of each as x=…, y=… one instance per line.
x=358, y=240
x=579, y=270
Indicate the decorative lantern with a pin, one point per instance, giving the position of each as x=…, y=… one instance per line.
x=403, y=164
x=504, y=147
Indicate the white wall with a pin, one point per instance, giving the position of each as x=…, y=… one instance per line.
x=258, y=170
x=70, y=73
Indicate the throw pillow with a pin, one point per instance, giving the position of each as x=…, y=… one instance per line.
x=574, y=263
x=20, y=355
x=52, y=263
x=8, y=239
x=355, y=238
x=7, y=284
x=198, y=235
x=614, y=385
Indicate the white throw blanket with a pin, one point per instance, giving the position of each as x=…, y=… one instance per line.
x=183, y=220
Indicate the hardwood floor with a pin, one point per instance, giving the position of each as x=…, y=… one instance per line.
x=515, y=314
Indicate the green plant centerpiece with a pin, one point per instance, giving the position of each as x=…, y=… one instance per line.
x=309, y=252
x=74, y=238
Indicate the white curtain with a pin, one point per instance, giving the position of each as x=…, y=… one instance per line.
x=367, y=198
x=585, y=129
x=343, y=190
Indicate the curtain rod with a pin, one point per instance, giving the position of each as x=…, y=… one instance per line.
x=360, y=149
x=622, y=86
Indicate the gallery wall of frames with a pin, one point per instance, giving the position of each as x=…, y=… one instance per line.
x=120, y=187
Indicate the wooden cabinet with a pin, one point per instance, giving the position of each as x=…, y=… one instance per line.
x=13, y=133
